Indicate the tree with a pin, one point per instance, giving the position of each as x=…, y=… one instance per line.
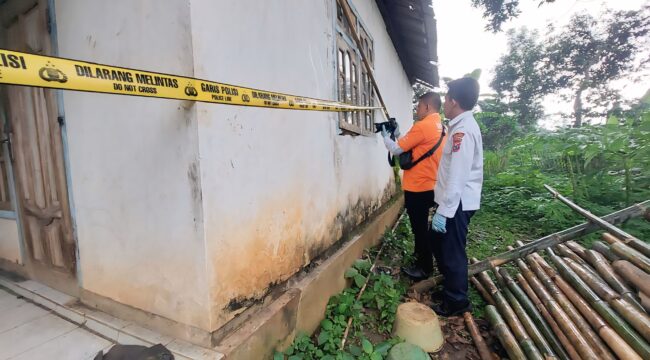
x=498, y=12
x=498, y=128
x=588, y=54
x=519, y=80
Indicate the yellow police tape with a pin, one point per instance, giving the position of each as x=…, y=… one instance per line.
x=19, y=68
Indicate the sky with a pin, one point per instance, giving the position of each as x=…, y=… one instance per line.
x=465, y=45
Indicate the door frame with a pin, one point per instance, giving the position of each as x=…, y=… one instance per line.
x=72, y=284
x=54, y=39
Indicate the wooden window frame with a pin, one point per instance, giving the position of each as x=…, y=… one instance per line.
x=356, y=89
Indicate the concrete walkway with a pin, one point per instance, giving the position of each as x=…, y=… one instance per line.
x=30, y=332
x=38, y=322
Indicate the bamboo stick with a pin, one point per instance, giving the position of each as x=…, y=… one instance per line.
x=582, y=347
x=645, y=301
x=611, y=338
x=514, y=322
x=483, y=351
x=627, y=253
x=531, y=328
x=604, y=250
x=642, y=247
x=599, y=347
x=634, y=316
x=630, y=335
x=565, y=251
x=541, y=243
x=534, y=314
x=620, y=234
x=605, y=270
x=633, y=275
x=566, y=343
x=481, y=290
x=576, y=248
x=503, y=334
x=525, y=285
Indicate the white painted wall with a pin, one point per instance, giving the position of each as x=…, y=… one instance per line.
x=277, y=185
x=184, y=209
x=9, y=241
x=134, y=161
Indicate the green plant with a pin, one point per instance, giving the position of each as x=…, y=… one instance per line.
x=384, y=295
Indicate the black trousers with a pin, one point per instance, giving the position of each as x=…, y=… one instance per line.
x=451, y=257
x=417, y=206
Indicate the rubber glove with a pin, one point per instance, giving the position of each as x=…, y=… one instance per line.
x=384, y=133
x=439, y=223
x=396, y=132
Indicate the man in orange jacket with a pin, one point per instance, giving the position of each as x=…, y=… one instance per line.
x=419, y=181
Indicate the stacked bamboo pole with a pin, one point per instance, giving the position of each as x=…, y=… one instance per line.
x=575, y=232
x=581, y=304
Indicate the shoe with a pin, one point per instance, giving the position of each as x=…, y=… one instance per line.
x=446, y=310
x=415, y=273
x=437, y=296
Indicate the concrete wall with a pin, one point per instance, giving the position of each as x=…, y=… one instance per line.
x=279, y=187
x=134, y=161
x=9, y=241
x=191, y=211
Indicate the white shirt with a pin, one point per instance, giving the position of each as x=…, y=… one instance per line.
x=460, y=175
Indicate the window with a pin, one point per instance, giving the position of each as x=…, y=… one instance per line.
x=353, y=81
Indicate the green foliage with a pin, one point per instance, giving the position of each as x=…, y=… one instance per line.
x=577, y=62
x=374, y=311
x=497, y=128
x=603, y=168
x=384, y=296
x=498, y=12
x=518, y=79
x=399, y=246
x=589, y=53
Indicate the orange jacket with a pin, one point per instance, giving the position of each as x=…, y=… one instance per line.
x=421, y=138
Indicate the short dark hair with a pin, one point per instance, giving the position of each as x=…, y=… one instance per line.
x=432, y=98
x=465, y=91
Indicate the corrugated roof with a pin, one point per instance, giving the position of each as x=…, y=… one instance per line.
x=411, y=25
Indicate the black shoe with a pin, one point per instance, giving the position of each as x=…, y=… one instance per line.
x=437, y=296
x=415, y=273
x=446, y=310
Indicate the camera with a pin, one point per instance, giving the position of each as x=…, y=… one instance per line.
x=390, y=126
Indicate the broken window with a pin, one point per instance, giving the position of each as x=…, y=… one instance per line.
x=354, y=84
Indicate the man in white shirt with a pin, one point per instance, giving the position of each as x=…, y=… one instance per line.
x=458, y=194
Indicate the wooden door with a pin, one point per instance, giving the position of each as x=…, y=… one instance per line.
x=37, y=147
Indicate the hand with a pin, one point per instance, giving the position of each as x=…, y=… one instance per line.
x=439, y=223
x=396, y=132
x=384, y=133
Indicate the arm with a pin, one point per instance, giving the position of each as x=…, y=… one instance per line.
x=392, y=146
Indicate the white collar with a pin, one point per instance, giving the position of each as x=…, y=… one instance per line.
x=460, y=117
